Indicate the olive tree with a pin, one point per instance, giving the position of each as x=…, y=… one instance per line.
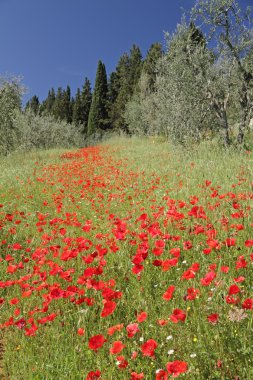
x=11, y=92
x=230, y=38
x=183, y=110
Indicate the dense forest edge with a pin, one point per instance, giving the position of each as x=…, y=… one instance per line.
x=199, y=87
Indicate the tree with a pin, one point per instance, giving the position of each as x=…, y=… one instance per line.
x=47, y=105
x=122, y=85
x=182, y=110
x=140, y=111
x=86, y=99
x=77, y=109
x=33, y=104
x=135, y=67
x=66, y=112
x=169, y=100
x=120, y=92
x=11, y=91
x=113, y=91
x=98, y=116
x=149, y=65
x=57, y=109
x=231, y=36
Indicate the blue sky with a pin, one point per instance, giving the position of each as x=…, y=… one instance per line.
x=53, y=43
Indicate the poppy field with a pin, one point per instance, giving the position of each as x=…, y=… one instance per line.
x=129, y=260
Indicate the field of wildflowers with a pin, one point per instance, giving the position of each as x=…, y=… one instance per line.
x=129, y=260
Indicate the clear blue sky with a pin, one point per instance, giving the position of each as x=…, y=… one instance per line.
x=53, y=43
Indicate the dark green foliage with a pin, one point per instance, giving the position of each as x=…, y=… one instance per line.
x=196, y=36
x=46, y=106
x=82, y=105
x=113, y=91
x=57, y=109
x=33, y=105
x=122, y=85
x=119, y=92
x=149, y=65
x=77, y=108
x=86, y=99
x=113, y=87
x=62, y=106
x=98, y=116
x=135, y=67
x=66, y=106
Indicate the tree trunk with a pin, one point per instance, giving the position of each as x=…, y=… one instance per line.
x=244, y=103
x=242, y=126
x=224, y=126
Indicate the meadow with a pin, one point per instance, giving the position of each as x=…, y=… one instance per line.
x=128, y=260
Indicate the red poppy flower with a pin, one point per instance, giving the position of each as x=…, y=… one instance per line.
x=230, y=242
x=122, y=362
x=80, y=331
x=142, y=316
x=132, y=329
x=213, y=318
x=224, y=269
x=175, y=252
x=248, y=303
x=239, y=279
x=188, y=274
x=96, y=342
x=209, y=277
x=192, y=293
x=176, y=368
x=117, y=347
x=248, y=243
x=137, y=376
x=109, y=307
x=162, y=322
x=187, y=245
x=234, y=289
x=169, y=293
x=148, y=348
x=178, y=315
x=113, y=329
x=161, y=375
x=14, y=301
x=94, y=375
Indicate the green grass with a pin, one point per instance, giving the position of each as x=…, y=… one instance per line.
x=52, y=196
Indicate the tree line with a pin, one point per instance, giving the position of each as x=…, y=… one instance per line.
x=199, y=87
x=104, y=109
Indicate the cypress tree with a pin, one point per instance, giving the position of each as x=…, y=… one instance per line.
x=113, y=91
x=57, y=109
x=98, y=116
x=33, y=104
x=66, y=112
x=121, y=86
x=86, y=99
x=82, y=105
x=51, y=100
x=135, y=67
x=149, y=66
x=77, y=109
x=46, y=106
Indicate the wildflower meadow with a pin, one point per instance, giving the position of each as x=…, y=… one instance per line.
x=127, y=260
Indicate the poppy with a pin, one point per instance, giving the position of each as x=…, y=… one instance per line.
x=96, y=342
x=117, y=347
x=176, y=368
x=109, y=307
x=148, y=348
